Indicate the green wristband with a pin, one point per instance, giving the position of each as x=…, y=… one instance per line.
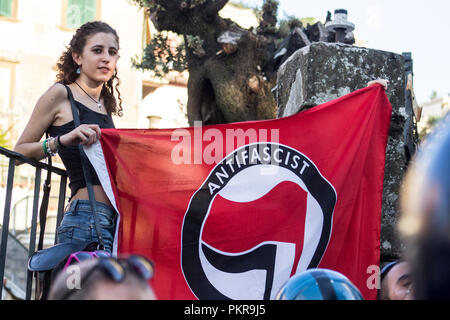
x=44, y=146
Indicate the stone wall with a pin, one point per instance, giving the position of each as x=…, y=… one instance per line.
x=325, y=71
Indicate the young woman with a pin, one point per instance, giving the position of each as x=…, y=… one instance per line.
x=88, y=71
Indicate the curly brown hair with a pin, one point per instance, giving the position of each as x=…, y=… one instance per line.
x=67, y=67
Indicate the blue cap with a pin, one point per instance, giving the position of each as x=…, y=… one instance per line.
x=319, y=284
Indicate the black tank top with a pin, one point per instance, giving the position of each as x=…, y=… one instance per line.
x=70, y=155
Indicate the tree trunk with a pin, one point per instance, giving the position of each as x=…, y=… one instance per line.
x=225, y=79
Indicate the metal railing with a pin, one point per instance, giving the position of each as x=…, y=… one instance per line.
x=15, y=159
x=21, y=227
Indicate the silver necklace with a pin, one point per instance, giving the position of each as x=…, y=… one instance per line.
x=99, y=105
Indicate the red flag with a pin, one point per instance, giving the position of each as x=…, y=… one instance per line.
x=232, y=211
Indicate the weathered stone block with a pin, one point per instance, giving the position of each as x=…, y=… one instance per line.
x=325, y=71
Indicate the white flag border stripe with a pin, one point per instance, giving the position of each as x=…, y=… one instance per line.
x=95, y=154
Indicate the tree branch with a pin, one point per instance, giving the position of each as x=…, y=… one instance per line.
x=214, y=6
x=182, y=16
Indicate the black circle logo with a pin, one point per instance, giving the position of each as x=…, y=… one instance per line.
x=246, y=174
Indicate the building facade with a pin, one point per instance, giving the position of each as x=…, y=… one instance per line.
x=33, y=36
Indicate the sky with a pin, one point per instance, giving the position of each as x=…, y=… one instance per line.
x=416, y=26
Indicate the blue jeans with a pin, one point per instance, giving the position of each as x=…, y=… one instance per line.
x=78, y=224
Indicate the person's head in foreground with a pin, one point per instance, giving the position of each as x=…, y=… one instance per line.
x=425, y=215
x=396, y=281
x=319, y=284
x=104, y=278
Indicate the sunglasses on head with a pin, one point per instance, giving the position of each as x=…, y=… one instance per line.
x=116, y=269
x=85, y=255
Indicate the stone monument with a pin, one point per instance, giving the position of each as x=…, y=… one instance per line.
x=325, y=71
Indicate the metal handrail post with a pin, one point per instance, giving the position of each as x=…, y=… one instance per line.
x=32, y=248
x=5, y=226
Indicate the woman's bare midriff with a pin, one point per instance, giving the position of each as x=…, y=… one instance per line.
x=100, y=195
